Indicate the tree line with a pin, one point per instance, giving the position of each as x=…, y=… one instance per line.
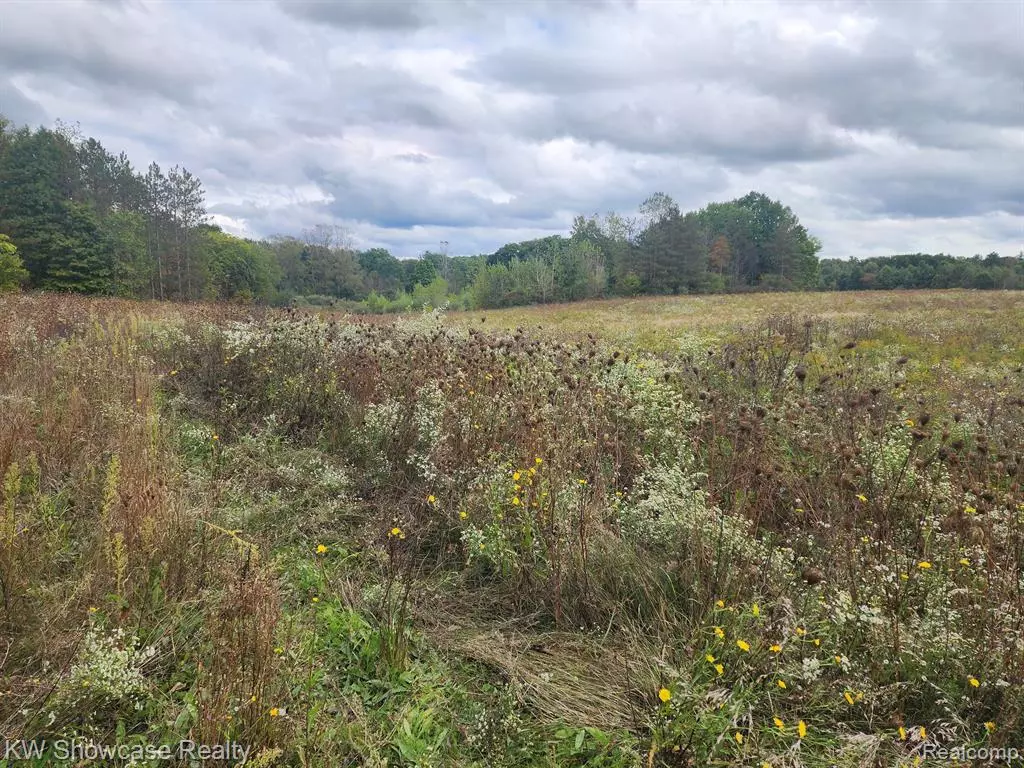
x=75, y=217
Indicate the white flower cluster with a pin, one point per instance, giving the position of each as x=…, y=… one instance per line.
x=110, y=663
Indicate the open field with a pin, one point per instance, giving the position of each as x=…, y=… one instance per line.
x=762, y=530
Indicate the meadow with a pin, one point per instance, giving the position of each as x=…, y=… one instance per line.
x=758, y=530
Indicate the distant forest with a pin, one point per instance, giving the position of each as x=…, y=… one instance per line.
x=74, y=217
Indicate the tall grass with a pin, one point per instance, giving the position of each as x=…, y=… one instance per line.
x=794, y=540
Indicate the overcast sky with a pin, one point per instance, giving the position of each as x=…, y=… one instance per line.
x=887, y=127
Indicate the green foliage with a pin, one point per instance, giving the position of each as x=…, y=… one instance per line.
x=238, y=269
x=12, y=270
x=921, y=270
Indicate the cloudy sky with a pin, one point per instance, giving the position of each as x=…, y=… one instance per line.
x=887, y=126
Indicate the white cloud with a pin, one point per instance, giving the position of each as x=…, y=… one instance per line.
x=887, y=127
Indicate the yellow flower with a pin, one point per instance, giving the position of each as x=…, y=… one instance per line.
x=316, y=599
x=431, y=499
x=710, y=658
x=903, y=733
x=964, y=561
x=779, y=724
x=781, y=684
x=279, y=650
x=253, y=698
x=739, y=737
x=274, y=712
x=321, y=549
x=720, y=603
x=904, y=577
x=817, y=642
x=665, y=694
x=970, y=510
x=801, y=728
x=861, y=497
x=924, y=564
x=775, y=648
x=849, y=698
x=174, y=373
x=990, y=726
x=93, y=609
x=581, y=481
x=516, y=476
x=719, y=669
x=396, y=531
x=923, y=733
x=719, y=632
x=462, y=515
x=839, y=659
x=801, y=631
x=515, y=501
x=216, y=437
x=743, y=645
x=538, y=461
x=756, y=610
x=974, y=682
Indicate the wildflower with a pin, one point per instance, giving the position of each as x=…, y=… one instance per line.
x=903, y=733
x=801, y=728
x=719, y=669
x=174, y=372
x=817, y=642
x=990, y=726
x=720, y=603
x=462, y=514
x=969, y=510
x=756, y=610
x=849, y=698
x=964, y=561
x=93, y=609
x=781, y=684
x=538, y=461
x=216, y=437
x=922, y=733
x=801, y=631
x=779, y=724
x=582, y=481
x=904, y=577
x=924, y=564
x=431, y=499
x=743, y=645
x=396, y=531
x=279, y=650
x=274, y=712
x=862, y=498
x=775, y=648
x=515, y=501
x=839, y=659
x=321, y=549
x=719, y=632
x=316, y=599
x=665, y=695
x=516, y=476
x=710, y=658
x=739, y=737
x=974, y=682
x=253, y=698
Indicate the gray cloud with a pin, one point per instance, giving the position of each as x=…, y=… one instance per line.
x=888, y=127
